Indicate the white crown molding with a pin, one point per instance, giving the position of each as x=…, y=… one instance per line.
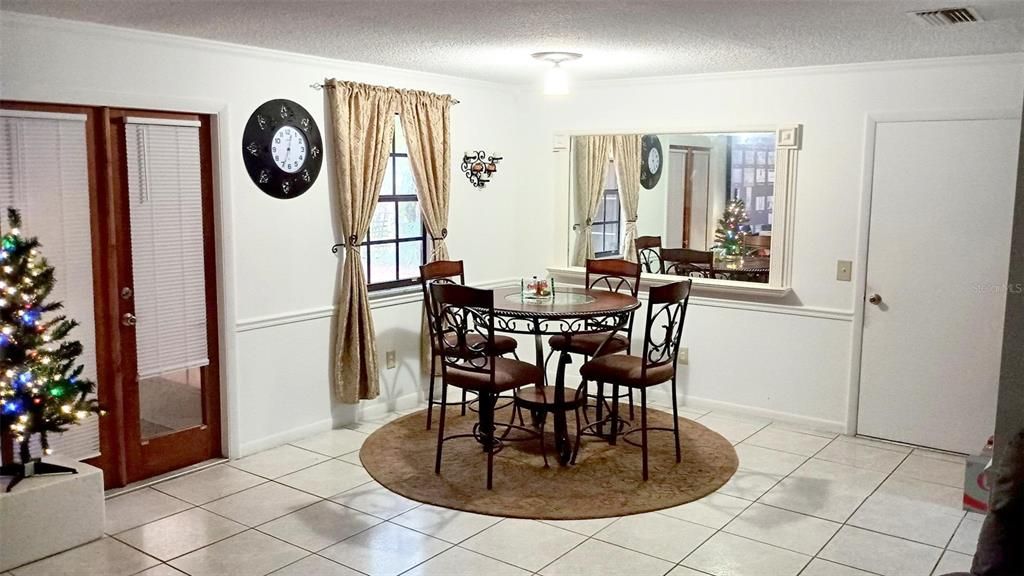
x=1010, y=58
x=191, y=42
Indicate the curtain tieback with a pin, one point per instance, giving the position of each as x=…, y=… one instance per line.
x=633, y=221
x=588, y=224
x=436, y=242
x=352, y=245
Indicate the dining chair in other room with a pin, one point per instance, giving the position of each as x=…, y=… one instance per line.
x=666, y=312
x=464, y=330
x=613, y=276
x=688, y=262
x=648, y=253
x=446, y=272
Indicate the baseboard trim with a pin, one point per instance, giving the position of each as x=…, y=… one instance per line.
x=773, y=415
x=348, y=414
x=659, y=395
x=275, y=440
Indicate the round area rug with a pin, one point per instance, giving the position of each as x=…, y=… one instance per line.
x=605, y=481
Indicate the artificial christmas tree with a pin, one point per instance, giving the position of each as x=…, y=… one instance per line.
x=42, y=390
x=728, y=236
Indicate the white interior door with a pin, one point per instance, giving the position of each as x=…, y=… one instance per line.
x=941, y=210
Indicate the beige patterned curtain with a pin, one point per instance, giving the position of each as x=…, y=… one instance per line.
x=591, y=164
x=363, y=121
x=626, y=151
x=426, y=123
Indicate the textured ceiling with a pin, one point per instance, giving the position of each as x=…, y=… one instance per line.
x=493, y=39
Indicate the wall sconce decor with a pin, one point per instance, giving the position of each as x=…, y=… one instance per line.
x=478, y=166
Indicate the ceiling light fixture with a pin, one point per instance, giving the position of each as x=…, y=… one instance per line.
x=556, y=81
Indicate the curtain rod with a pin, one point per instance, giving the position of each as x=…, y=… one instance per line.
x=319, y=86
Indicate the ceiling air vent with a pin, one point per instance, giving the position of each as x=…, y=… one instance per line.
x=947, y=16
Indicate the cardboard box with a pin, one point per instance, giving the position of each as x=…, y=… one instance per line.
x=976, y=481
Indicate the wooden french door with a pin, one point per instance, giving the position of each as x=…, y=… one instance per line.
x=162, y=286
x=137, y=186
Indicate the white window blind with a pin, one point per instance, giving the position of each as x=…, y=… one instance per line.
x=44, y=174
x=166, y=210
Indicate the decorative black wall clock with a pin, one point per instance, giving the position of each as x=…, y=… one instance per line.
x=650, y=161
x=282, y=148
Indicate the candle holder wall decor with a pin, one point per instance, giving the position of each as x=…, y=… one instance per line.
x=478, y=166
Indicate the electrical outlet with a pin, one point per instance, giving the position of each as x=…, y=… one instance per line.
x=844, y=270
x=389, y=359
x=684, y=355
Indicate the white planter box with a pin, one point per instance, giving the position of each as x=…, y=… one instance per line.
x=45, y=515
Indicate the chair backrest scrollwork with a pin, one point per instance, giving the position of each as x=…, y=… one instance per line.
x=614, y=276
x=666, y=313
x=648, y=253
x=438, y=272
x=464, y=327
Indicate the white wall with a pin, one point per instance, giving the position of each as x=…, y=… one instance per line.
x=277, y=270
x=793, y=357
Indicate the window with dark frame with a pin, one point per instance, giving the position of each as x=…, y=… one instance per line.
x=605, y=229
x=396, y=246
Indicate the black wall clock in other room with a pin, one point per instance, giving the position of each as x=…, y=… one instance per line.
x=282, y=148
x=651, y=161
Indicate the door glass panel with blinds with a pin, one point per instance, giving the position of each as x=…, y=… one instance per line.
x=44, y=173
x=168, y=272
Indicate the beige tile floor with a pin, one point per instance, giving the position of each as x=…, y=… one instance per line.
x=803, y=503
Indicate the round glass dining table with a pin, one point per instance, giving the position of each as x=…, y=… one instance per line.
x=568, y=312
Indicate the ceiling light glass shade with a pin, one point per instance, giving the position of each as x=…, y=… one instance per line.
x=556, y=82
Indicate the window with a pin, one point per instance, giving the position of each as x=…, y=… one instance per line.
x=604, y=232
x=396, y=245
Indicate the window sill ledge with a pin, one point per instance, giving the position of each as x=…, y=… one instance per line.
x=395, y=296
x=706, y=287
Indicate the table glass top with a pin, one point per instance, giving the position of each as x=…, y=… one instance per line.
x=559, y=298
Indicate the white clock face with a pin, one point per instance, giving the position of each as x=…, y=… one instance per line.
x=289, y=149
x=653, y=161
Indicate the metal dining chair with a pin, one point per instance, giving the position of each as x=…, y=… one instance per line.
x=613, y=276
x=446, y=272
x=648, y=253
x=687, y=262
x=666, y=313
x=463, y=320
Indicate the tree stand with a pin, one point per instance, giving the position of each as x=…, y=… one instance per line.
x=28, y=466
x=34, y=467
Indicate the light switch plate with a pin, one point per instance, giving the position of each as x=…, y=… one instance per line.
x=844, y=270
x=389, y=359
x=684, y=356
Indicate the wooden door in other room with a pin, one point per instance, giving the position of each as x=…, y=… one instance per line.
x=941, y=207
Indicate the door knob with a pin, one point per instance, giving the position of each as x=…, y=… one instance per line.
x=875, y=299
x=128, y=319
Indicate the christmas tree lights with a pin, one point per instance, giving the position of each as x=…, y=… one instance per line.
x=728, y=236
x=42, y=390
